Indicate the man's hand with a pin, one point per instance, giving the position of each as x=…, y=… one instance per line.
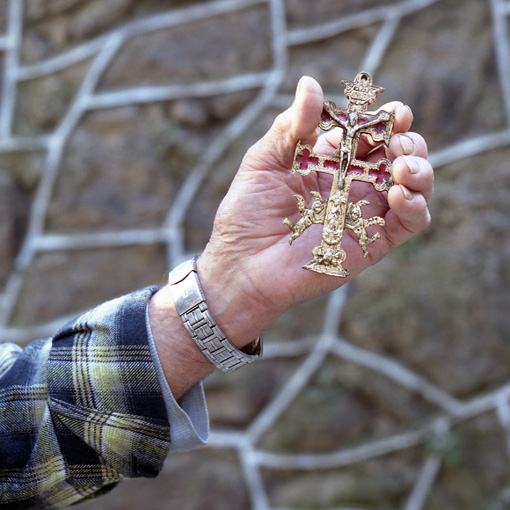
x=249, y=273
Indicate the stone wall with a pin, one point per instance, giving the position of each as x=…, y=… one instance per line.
x=122, y=124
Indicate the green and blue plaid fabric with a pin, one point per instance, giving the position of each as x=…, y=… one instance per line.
x=81, y=411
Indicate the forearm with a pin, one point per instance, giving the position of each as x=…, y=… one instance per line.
x=181, y=360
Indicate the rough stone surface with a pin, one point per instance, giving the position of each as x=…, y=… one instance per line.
x=299, y=13
x=454, y=326
x=79, y=271
x=194, y=480
x=43, y=102
x=112, y=164
x=451, y=82
x=225, y=48
x=365, y=406
x=344, y=53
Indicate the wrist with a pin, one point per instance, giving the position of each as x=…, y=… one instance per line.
x=230, y=296
x=190, y=303
x=181, y=360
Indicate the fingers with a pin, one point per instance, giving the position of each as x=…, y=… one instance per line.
x=329, y=141
x=415, y=174
x=403, y=119
x=409, y=208
x=411, y=144
x=413, y=178
x=299, y=122
x=403, y=116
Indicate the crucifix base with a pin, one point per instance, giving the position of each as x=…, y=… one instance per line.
x=327, y=260
x=330, y=270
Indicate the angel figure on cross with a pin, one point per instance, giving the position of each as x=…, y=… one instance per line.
x=354, y=221
x=308, y=216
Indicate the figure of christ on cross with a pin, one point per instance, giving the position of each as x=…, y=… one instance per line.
x=345, y=168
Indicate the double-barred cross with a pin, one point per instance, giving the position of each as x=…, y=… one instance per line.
x=336, y=213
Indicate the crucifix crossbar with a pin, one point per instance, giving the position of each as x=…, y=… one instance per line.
x=337, y=213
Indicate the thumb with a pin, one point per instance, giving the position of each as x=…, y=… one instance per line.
x=299, y=122
x=304, y=113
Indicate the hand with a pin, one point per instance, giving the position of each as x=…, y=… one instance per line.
x=249, y=273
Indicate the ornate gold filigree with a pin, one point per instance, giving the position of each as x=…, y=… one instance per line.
x=337, y=213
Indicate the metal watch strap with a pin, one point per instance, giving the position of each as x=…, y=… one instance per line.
x=190, y=304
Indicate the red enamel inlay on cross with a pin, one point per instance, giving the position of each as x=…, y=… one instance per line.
x=380, y=128
x=305, y=159
x=326, y=117
x=355, y=169
x=381, y=172
x=330, y=163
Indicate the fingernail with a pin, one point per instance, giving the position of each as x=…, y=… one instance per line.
x=407, y=194
x=412, y=164
x=299, y=85
x=407, y=144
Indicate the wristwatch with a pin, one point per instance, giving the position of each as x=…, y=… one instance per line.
x=190, y=304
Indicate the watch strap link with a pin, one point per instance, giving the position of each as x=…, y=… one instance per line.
x=190, y=304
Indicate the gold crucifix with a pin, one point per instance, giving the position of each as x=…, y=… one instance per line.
x=337, y=213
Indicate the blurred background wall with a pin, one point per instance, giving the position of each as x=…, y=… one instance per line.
x=122, y=123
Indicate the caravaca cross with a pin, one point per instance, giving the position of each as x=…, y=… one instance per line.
x=337, y=213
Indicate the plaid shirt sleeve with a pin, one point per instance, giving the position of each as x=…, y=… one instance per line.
x=81, y=411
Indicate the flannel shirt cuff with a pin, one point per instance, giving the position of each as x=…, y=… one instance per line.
x=189, y=420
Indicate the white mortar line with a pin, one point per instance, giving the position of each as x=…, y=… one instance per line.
x=503, y=413
x=4, y=43
x=294, y=386
x=253, y=478
x=468, y=148
x=358, y=20
x=84, y=51
x=380, y=43
x=86, y=240
x=345, y=457
x=502, y=48
x=398, y=373
x=333, y=312
x=279, y=35
x=290, y=349
x=178, y=91
x=424, y=484
x=24, y=143
x=8, y=101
